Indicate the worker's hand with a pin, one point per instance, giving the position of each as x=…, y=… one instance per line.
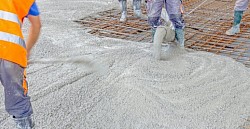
x=182, y=9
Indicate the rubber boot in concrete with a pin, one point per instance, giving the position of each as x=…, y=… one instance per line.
x=159, y=35
x=236, y=25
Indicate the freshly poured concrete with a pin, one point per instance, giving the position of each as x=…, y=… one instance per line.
x=127, y=88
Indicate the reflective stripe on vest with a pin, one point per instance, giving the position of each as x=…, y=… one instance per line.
x=12, y=38
x=9, y=17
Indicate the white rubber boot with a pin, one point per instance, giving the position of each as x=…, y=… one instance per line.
x=123, y=5
x=162, y=33
x=137, y=8
x=137, y=13
x=158, y=36
x=233, y=30
x=123, y=17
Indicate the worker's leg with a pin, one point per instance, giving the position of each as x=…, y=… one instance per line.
x=137, y=8
x=173, y=9
x=240, y=7
x=17, y=103
x=159, y=36
x=154, y=8
x=123, y=5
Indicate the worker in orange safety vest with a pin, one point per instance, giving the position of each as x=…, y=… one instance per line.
x=14, y=53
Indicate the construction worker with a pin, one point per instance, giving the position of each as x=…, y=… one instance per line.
x=14, y=53
x=174, y=10
x=136, y=7
x=239, y=8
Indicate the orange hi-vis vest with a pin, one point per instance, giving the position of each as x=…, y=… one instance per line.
x=12, y=44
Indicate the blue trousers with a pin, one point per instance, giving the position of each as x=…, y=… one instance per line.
x=12, y=77
x=241, y=5
x=126, y=0
x=136, y=5
x=154, y=8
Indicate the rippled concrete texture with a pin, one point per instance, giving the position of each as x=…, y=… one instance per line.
x=127, y=88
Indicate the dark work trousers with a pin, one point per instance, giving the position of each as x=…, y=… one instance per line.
x=12, y=77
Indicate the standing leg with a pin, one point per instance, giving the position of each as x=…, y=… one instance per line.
x=240, y=7
x=123, y=5
x=175, y=16
x=137, y=8
x=17, y=102
x=159, y=36
x=154, y=8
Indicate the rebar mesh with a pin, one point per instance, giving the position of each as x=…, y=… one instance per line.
x=205, y=28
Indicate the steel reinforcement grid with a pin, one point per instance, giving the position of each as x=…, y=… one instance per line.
x=205, y=28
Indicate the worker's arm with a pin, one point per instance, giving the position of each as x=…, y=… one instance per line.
x=34, y=32
x=35, y=27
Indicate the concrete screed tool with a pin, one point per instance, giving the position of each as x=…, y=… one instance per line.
x=83, y=60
